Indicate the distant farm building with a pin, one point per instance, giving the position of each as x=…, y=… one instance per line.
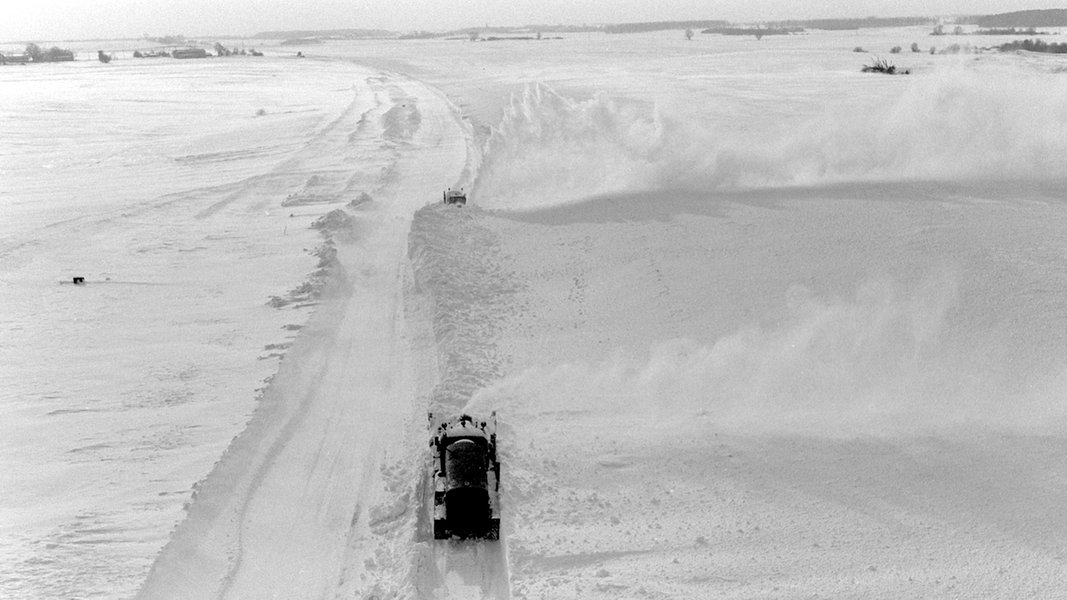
x=190, y=53
x=11, y=59
x=55, y=55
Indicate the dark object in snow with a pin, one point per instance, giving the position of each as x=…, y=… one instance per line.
x=189, y=53
x=881, y=65
x=103, y=57
x=79, y=281
x=466, y=478
x=53, y=54
x=457, y=197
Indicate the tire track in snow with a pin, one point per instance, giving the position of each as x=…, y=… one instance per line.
x=323, y=157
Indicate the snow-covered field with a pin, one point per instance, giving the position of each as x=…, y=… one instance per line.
x=756, y=324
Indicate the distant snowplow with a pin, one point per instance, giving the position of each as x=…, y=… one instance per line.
x=457, y=197
x=466, y=478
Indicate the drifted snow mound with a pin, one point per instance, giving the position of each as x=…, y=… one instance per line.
x=875, y=364
x=457, y=265
x=986, y=122
x=335, y=222
x=401, y=121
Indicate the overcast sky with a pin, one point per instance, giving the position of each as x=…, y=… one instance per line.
x=78, y=19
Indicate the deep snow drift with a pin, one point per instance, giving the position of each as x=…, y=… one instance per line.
x=756, y=325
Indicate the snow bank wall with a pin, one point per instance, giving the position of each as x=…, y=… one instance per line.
x=457, y=265
x=985, y=122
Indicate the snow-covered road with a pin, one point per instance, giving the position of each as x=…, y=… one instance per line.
x=292, y=508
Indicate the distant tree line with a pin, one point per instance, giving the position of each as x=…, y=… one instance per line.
x=1053, y=17
x=1011, y=31
x=844, y=24
x=660, y=26
x=1034, y=46
x=53, y=54
x=939, y=29
x=756, y=31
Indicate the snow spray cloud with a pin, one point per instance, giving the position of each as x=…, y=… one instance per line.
x=549, y=149
x=958, y=124
x=869, y=365
x=954, y=124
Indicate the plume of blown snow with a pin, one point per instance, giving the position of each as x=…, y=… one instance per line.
x=1001, y=123
x=549, y=149
x=873, y=365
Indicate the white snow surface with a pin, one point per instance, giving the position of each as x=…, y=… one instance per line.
x=755, y=324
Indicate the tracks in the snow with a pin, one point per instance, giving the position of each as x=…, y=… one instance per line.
x=315, y=498
x=456, y=569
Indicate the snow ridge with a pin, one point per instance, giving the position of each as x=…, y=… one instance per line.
x=456, y=263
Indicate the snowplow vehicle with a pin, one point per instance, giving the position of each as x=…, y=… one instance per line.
x=466, y=478
x=457, y=197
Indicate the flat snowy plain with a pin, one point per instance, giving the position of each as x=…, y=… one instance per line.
x=756, y=324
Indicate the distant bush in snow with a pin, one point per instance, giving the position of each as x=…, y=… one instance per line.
x=881, y=65
x=334, y=221
x=360, y=200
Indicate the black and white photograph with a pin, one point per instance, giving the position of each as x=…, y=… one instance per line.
x=533, y=300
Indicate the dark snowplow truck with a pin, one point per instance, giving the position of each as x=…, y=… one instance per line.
x=466, y=478
x=456, y=197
